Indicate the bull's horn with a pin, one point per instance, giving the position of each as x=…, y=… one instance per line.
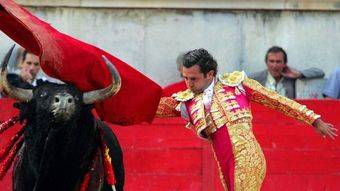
x=99, y=95
x=13, y=92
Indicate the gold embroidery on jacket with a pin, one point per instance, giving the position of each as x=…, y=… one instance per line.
x=217, y=117
x=225, y=112
x=237, y=91
x=250, y=164
x=166, y=107
x=222, y=112
x=275, y=101
x=228, y=106
x=198, y=115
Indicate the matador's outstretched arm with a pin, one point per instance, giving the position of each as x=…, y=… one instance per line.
x=271, y=99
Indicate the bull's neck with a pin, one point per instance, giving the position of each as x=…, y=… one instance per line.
x=65, y=155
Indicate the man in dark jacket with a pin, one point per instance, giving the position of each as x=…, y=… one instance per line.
x=27, y=78
x=279, y=76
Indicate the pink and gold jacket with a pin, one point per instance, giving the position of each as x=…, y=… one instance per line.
x=230, y=104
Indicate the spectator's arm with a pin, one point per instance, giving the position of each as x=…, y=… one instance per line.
x=312, y=73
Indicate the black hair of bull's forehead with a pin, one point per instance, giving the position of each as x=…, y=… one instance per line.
x=51, y=89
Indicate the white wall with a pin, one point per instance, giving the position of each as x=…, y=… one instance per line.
x=151, y=39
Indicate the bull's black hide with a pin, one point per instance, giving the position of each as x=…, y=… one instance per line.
x=60, y=139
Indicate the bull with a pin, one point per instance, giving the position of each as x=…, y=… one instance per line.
x=62, y=139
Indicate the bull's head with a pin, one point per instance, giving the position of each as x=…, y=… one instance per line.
x=60, y=129
x=61, y=99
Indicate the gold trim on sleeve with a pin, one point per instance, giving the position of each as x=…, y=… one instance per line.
x=275, y=101
x=167, y=108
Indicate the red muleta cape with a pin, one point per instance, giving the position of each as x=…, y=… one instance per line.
x=80, y=64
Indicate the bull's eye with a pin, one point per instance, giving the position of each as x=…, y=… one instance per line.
x=56, y=99
x=70, y=100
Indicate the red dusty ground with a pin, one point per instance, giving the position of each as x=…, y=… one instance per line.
x=165, y=156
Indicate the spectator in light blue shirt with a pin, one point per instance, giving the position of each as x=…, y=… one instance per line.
x=332, y=86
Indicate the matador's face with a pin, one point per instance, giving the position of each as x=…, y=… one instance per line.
x=195, y=80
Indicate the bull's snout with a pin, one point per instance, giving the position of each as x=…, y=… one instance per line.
x=63, y=106
x=63, y=100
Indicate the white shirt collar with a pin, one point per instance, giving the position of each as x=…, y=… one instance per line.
x=208, y=94
x=210, y=88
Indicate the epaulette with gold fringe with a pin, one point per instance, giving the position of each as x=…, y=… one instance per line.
x=232, y=79
x=183, y=95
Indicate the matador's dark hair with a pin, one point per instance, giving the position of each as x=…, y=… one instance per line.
x=202, y=58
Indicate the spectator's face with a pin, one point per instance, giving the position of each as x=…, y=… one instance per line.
x=275, y=63
x=31, y=64
x=195, y=79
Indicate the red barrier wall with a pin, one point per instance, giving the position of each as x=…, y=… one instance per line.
x=165, y=156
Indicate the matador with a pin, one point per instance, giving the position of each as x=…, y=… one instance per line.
x=218, y=110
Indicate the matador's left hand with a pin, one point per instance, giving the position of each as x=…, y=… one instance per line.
x=325, y=129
